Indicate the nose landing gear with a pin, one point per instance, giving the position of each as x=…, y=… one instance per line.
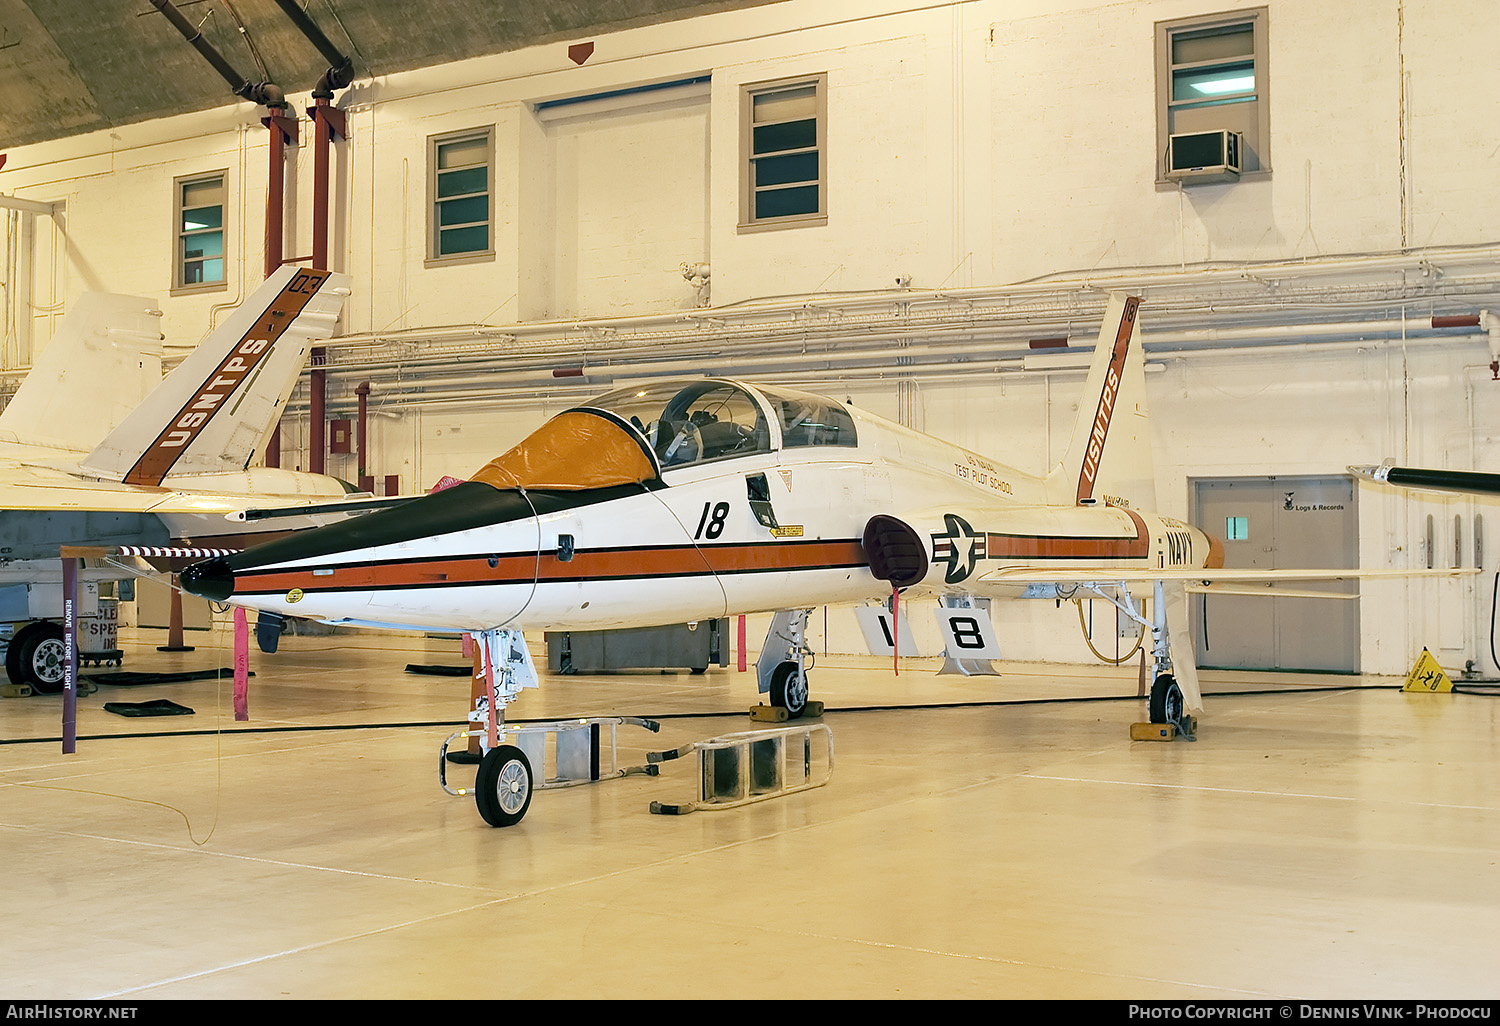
x=781, y=670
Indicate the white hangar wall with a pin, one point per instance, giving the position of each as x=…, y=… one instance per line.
x=969, y=145
x=974, y=143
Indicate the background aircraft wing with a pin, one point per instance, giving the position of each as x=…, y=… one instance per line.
x=1221, y=580
x=1465, y=482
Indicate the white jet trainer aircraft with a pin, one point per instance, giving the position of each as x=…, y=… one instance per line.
x=695, y=499
x=166, y=472
x=690, y=500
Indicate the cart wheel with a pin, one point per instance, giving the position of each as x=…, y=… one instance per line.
x=789, y=689
x=502, y=787
x=36, y=657
x=1166, y=700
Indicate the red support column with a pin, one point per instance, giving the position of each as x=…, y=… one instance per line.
x=328, y=122
x=318, y=430
x=283, y=132
x=362, y=477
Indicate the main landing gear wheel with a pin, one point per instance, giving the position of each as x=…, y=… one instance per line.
x=502, y=787
x=36, y=657
x=1166, y=703
x=789, y=689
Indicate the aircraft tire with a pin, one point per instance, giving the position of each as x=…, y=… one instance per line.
x=35, y=657
x=789, y=689
x=503, y=786
x=1166, y=700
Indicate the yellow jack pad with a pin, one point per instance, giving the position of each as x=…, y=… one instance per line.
x=1161, y=731
x=776, y=714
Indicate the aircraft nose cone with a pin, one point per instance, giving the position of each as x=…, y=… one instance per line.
x=211, y=579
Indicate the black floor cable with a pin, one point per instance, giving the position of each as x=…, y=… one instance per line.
x=664, y=717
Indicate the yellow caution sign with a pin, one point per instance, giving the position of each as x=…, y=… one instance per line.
x=1427, y=676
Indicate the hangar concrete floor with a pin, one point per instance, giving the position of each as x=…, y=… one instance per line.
x=979, y=838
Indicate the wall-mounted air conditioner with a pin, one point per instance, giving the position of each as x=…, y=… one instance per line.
x=1197, y=157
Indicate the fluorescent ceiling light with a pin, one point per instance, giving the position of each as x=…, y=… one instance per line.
x=1220, y=86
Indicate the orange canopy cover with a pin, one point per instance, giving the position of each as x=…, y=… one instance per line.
x=573, y=451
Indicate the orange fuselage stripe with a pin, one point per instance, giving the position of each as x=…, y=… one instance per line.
x=618, y=564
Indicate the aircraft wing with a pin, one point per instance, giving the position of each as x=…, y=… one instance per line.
x=43, y=489
x=1232, y=581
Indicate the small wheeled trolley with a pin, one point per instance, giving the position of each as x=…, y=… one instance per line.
x=737, y=769
x=569, y=752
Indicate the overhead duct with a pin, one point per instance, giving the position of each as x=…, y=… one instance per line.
x=340, y=68
x=1440, y=297
x=328, y=124
x=266, y=93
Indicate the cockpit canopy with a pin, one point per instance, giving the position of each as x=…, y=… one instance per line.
x=712, y=419
x=623, y=437
x=808, y=419
x=705, y=420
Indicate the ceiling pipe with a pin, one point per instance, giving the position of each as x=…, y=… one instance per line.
x=811, y=318
x=537, y=386
x=340, y=68
x=328, y=124
x=824, y=336
x=809, y=347
x=266, y=93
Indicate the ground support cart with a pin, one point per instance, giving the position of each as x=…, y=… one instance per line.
x=738, y=769
x=565, y=752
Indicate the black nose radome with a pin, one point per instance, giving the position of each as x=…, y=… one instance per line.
x=211, y=579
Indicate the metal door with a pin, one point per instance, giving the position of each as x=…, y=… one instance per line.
x=1280, y=523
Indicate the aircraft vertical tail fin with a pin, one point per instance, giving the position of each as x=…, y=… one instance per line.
x=1109, y=452
x=103, y=360
x=214, y=412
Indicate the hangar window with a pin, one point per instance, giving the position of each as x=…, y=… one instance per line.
x=459, y=179
x=1212, y=78
x=200, y=231
x=783, y=139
